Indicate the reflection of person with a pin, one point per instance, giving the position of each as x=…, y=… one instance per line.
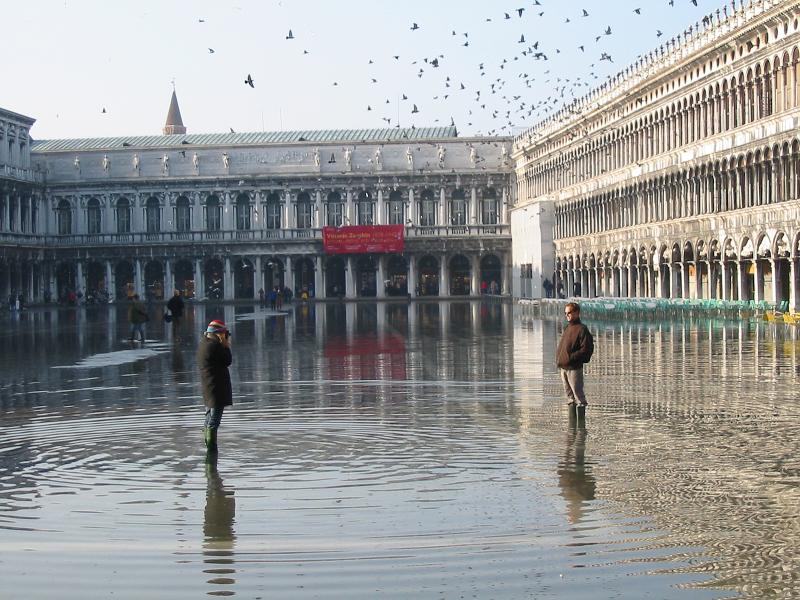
x=218, y=521
x=137, y=317
x=574, y=350
x=175, y=306
x=575, y=479
x=213, y=359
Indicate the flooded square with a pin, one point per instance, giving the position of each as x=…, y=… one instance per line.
x=396, y=450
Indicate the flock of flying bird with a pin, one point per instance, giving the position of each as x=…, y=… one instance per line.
x=508, y=111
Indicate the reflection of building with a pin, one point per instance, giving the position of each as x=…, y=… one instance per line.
x=227, y=214
x=678, y=178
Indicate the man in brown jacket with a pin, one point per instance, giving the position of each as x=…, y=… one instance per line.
x=213, y=359
x=574, y=349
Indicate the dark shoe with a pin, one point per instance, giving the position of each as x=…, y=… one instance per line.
x=581, y=412
x=571, y=413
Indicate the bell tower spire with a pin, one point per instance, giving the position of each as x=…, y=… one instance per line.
x=174, y=124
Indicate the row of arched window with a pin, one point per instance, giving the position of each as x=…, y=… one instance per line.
x=275, y=212
x=766, y=176
x=769, y=87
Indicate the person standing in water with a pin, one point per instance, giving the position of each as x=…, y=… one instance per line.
x=213, y=359
x=574, y=350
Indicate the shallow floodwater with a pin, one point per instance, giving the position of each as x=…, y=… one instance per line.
x=388, y=450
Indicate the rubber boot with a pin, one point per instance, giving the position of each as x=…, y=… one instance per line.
x=573, y=416
x=580, y=409
x=211, y=439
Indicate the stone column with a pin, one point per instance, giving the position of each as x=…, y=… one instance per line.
x=473, y=207
x=288, y=274
x=411, y=281
x=774, y=295
x=474, y=282
x=412, y=212
x=503, y=216
x=444, y=277
x=380, y=216
x=227, y=216
x=380, y=287
x=349, y=277
x=137, y=278
x=726, y=284
x=289, y=210
x=228, y=280
x=111, y=287
x=258, y=282
x=349, y=209
x=442, y=217
x=793, y=284
x=316, y=217
x=199, y=280
x=319, y=283
x=169, y=280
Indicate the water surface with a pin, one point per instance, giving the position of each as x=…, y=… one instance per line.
x=388, y=450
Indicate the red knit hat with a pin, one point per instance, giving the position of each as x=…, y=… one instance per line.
x=216, y=326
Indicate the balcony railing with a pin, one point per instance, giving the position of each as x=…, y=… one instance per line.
x=21, y=174
x=244, y=235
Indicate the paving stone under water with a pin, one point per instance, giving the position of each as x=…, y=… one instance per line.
x=394, y=450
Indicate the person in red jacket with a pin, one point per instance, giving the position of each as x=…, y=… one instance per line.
x=574, y=350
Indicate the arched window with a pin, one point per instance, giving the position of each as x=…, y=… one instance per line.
x=396, y=206
x=183, y=214
x=274, y=211
x=458, y=208
x=243, y=212
x=334, y=209
x=93, y=216
x=64, y=218
x=489, y=207
x=304, y=211
x=366, y=209
x=213, y=214
x=152, y=212
x=427, y=216
x=123, y=216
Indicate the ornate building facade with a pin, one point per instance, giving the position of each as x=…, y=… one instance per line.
x=678, y=178
x=225, y=215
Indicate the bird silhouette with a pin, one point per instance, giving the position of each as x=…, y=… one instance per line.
x=211, y=51
x=249, y=81
x=290, y=36
x=414, y=27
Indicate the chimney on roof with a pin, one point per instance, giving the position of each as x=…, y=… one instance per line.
x=174, y=124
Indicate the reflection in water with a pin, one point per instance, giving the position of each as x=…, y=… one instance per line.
x=219, y=536
x=401, y=450
x=575, y=477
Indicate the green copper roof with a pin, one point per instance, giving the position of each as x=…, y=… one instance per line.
x=243, y=139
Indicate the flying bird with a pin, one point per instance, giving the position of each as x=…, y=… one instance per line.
x=249, y=81
x=211, y=51
x=290, y=36
x=414, y=27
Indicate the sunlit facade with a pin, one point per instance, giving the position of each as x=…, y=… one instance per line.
x=680, y=177
x=223, y=216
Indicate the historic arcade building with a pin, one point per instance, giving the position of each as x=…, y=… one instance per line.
x=226, y=215
x=678, y=178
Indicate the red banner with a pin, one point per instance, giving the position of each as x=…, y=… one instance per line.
x=363, y=239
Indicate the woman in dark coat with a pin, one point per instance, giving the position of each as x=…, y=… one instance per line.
x=213, y=359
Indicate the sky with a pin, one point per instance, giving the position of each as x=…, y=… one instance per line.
x=94, y=68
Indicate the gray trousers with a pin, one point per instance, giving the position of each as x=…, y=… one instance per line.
x=573, y=385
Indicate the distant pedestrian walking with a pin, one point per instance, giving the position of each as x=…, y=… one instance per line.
x=213, y=359
x=574, y=350
x=137, y=316
x=175, y=306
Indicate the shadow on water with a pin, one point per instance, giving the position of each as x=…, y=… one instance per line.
x=398, y=450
